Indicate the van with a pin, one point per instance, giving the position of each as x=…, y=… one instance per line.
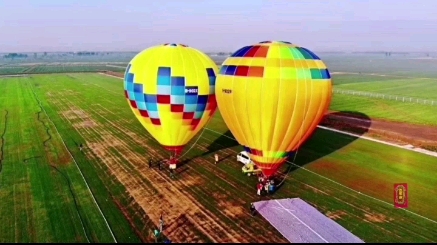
x=244, y=158
x=250, y=169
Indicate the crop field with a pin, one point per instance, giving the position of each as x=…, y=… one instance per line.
x=12, y=70
x=401, y=65
x=107, y=193
x=63, y=68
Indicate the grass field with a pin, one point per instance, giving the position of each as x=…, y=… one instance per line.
x=59, y=68
x=407, y=87
x=394, y=65
x=386, y=109
x=206, y=202
x=44, y=197
x=378, y=108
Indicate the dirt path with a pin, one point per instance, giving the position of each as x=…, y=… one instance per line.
x=404, y=133
x=112, y=74
x=124, y=67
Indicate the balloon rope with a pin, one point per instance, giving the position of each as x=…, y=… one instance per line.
x=289, y=169
x=195, y=142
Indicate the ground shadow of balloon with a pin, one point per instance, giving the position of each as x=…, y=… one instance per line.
x=324, y=142
x=224, y=141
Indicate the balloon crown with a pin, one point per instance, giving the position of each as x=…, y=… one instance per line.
x=282, y=42
x=175, y=45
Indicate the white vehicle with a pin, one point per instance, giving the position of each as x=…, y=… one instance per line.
x=244, y=158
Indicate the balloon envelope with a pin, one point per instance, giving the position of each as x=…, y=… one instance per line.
x=171, y=90
x=272, y=95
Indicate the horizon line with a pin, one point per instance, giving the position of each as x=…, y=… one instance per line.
x=215, y=52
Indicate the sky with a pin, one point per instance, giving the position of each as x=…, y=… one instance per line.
x=212, y=26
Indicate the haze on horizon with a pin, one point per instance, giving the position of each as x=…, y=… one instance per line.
x=132, y=25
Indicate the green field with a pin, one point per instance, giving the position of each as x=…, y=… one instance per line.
x=59, y=68
x=377, y=63
x=407, y=87
x=44, y=196
x=386, y=109
x=378, y=108
x=39, y=205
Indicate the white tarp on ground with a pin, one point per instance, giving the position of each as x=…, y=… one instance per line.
x=300, y=222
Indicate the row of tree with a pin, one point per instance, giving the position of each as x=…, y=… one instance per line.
x=15, y=55
x=35, y=55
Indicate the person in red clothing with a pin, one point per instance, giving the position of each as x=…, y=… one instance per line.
x=259, y=188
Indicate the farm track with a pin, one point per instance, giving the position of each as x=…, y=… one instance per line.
x=2, y=146
x=46, y=127
x=30, y=158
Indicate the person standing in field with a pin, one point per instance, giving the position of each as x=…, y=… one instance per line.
x=156, y=234
x=172, y=173
x=266, y=187
x=172, y=166
x=252, y=209
x=259, y=188
x=161, y=223
x=216, y=158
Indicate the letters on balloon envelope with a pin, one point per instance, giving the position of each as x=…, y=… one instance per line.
x=272, y=96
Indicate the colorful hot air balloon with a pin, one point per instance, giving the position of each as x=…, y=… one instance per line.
x=272, y=95
x=171, y=90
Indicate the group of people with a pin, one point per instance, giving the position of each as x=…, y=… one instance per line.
x=265, y=186
x=151, y=164
x=172, y=165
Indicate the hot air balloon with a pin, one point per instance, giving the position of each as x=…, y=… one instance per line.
x=272, y=95
x=171, y=90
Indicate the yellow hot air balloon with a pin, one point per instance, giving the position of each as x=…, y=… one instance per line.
x=171, y=90
x=272, y=95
